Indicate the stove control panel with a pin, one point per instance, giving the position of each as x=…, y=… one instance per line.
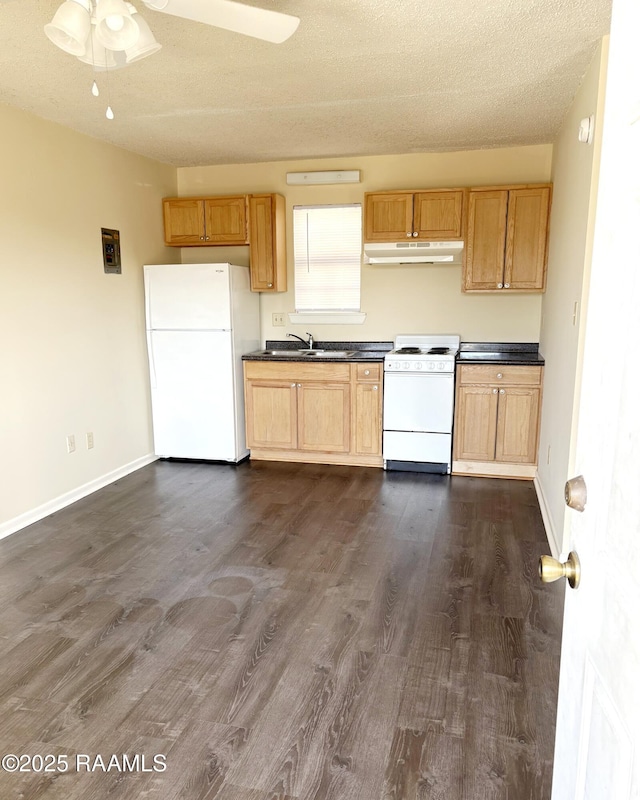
x=418, y=366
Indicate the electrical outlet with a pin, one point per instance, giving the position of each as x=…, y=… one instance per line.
x=277, y=319
x=71, y=444
x=90, y=440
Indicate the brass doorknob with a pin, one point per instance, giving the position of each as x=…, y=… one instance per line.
x=551, y=570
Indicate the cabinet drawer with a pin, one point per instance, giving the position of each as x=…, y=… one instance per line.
x=368, y=372
x=296, y=371
x=500, y=373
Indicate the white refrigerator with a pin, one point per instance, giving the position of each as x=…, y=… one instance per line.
x=200, y=319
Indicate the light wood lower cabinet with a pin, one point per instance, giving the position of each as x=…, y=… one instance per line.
x=497, y=420
x=271, y=410
x=327, y=413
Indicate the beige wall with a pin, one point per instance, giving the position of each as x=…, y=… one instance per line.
x=575, y=174
x=73, y=355
x=396, y=299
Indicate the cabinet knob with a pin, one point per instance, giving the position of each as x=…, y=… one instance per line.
x=499, y=286
x=415, y=233
x=293, y=386
x=202, y=238
x=299, y=385
x=507, y=285
x=367, y=371
x=206, y=238
x=269, y=285
x=409, y=234
x=375, y=388
x=499, y=375
x=501, y=391
x=495, y=391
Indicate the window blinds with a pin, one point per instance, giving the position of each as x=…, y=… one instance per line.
x=327, y=248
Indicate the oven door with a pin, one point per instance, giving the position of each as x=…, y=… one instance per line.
x=418, y=402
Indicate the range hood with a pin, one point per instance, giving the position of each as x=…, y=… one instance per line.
x=414, y=253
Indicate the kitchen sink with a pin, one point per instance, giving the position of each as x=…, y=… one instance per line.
x=283, y=353
x=307, y=353
x=330, y=353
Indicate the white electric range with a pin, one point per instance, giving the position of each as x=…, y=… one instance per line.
x=418, y=403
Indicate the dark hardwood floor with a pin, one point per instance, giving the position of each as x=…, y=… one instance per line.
x=282, y=632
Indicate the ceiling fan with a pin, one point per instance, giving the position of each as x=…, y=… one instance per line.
x=111, y=33
x=272, y=26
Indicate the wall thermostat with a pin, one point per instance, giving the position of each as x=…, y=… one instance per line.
x=111, y=251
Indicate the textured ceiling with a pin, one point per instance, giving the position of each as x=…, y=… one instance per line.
x=362, y=77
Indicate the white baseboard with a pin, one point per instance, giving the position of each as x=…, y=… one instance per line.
x=36, y=514
x=546, y=518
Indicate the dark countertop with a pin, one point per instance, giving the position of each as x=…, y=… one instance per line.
x=365, y=351
x=515, y=353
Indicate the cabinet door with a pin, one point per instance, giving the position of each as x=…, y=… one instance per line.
x=526, y=245
x=225, y=220
x=367, y=419
x=517, y=426
x=486, y=238
x=437, y=215
x=268, y=257
x=271, y=416
x=323, y=417
x=183, y=221
x=388, y=217
x=475, y=424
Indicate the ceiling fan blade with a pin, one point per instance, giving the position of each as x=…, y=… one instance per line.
x=271, y=26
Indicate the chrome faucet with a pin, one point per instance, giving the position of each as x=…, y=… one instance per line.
x=308, y=343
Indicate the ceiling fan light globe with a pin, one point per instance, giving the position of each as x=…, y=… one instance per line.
x=146, y=44
x=114, y=22
x=69, y=28
x=97, y=55
x=115, y=27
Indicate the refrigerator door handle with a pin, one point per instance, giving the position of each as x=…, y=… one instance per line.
x=148, y=299
x=152, y=363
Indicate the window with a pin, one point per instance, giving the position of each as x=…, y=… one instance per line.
x=327, y=252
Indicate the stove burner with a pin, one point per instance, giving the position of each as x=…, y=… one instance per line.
x=408, y=350
x=438, y=351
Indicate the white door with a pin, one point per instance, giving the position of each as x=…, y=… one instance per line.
x=192, y=394
x=597, y=753
x=187, y=296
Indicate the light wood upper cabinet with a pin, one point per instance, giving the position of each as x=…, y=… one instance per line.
x=425, y=215
x=320, y=413
x=183, y=221
x=225, y=220
x=198, y=221
x=267, y=254
x=507, y=239
x=438, y=215
x=496, y=420
x=388, y=217
x=255, y=219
